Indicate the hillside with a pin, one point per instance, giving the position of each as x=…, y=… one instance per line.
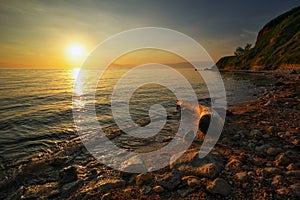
x=277, y=46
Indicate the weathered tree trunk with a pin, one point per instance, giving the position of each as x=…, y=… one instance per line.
x=204, y=114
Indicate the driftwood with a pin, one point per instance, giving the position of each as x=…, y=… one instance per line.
x=205, y=114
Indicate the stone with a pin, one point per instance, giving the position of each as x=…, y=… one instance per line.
x=108, y=184
x=18, y=194
x=191, y=164
x=69, y=188
x=106, y=196
x=294, y=173
x=234, y=164
x=277, y=180
x=255, y=133
x=241, y=176
x=282, y=160
x=193, y=182
x=272, y=151
x=219, y=186
x=281, y=191
x=209, y=170
x=158, y=189
x=169, y=180
x=145, y=189
x=293, y=166
x=133, y=165
x=183, y=191
x=67, y=175
x=143, y=178
x=261, y=150
x=271, y=171
x=295, y=189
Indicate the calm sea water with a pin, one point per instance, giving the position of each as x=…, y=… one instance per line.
x=36, y=105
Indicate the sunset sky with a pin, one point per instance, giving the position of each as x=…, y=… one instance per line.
x=49, y=34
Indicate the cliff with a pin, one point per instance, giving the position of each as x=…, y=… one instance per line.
x=277, y=46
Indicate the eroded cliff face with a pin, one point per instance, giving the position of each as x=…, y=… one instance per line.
x=277, y=46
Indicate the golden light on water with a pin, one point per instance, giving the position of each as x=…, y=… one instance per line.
x=75, y=72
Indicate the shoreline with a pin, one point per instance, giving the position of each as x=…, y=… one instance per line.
x=257, y=157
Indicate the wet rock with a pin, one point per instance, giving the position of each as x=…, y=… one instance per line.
x=293, y=166
x=234, y=164
x=219, y=186
x=106, y=196
x=68, y=174
x=17, y=195
x=193, y=182
x=56, y=161
x=191, y=164
x=143, y=178
x=295, y=189
x=271, y=171
x=108, y=184
x=133, y=164
x=241, y=176
x=183, y=191
x=282, y=160
x=169, y=180
x=69, y=188
x=294, y=173
x=277, y=180
x=145, y=189
x=272, y=151
x=39, y=191
x=158, y=189
x=261, y=150
x=209, y=170
x=255, y=133
x=281, y=191
x=279, y=83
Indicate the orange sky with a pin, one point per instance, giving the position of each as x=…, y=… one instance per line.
x=35, y=34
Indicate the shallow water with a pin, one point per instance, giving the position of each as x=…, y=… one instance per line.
x=36, y=105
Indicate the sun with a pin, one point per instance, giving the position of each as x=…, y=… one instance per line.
x=75, y=53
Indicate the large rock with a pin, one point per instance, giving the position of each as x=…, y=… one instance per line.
x=219, y=186
x=69, y=188
x=68, y=174
x=169, y=180
x=143, y=178
x=191, y=164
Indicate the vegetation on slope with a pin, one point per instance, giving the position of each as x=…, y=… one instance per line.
x=278, y=44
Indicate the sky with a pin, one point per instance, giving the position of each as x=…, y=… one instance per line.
x=38, y=33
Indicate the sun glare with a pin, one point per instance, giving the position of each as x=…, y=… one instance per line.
x=75, y=53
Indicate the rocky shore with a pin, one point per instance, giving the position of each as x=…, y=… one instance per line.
x=256, y=157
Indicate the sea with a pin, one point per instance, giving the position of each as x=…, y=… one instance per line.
x=36, y=104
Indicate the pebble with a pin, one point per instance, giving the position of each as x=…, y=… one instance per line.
x=145, y=189
x=219, y=186
x=241, y=176
x=272, y=151
x=158, y=189
x=183, y=191
x=277, y=180
x=282, y=160
x=193, y=182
